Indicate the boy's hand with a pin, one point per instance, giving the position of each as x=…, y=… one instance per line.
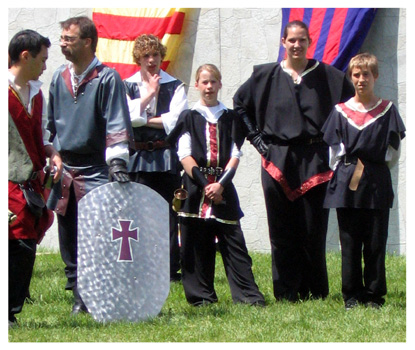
x=214, y=192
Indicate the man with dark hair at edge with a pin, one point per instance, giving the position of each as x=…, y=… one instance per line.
x=29, y=147
x=90, y=127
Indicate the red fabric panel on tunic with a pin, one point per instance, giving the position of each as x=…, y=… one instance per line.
x=30, y=130
x=213, y=162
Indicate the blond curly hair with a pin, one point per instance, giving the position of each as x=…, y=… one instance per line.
x=147, y=43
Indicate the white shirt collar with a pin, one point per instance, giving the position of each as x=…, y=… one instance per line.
x=95, y=62
x=165, y=77
x=211, y=114
x=35, y=85
x=352, y=104
x=301, y=75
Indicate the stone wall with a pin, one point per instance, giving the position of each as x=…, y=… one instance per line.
x=235, y=39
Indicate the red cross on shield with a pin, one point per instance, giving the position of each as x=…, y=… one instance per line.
x=125, y=234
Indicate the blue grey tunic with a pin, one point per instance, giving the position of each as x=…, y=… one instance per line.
x=84, y=123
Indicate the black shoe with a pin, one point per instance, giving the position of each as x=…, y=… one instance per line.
x=78, y=308
x=350, y=304
x=203, y=302
x=373, y=305
x=12, y=322
x=78, y=305
x=176, y=277
x=258, y=303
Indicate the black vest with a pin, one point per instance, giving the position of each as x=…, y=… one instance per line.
x=144, y=133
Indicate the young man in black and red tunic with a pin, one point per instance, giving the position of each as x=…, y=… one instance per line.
x=364, y=135
x=209, y=142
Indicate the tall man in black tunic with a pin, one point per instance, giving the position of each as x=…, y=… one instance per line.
x=283, y=106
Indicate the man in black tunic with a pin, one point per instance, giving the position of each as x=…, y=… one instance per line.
x=283, y=106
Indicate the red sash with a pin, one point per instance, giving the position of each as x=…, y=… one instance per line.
x=212, y=162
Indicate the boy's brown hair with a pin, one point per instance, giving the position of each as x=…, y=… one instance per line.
x=364, y=60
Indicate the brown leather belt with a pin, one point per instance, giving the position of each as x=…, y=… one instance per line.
x=357, y=173
x=151, y=145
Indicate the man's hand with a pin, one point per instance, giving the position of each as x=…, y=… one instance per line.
x=152, y=82
x=55, y=162
x=257, y=141
x=254, y=135
x=118, y=171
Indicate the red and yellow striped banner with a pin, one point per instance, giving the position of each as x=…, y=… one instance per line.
x=118, y=28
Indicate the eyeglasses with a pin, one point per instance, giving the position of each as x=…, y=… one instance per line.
x=68, y=39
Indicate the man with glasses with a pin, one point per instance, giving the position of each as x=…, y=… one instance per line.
x=90, y=125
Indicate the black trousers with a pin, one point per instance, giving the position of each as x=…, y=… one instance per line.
x=68, y=239
x=198, y=255
x=22, y=253
x=297, y=231
x=363, y=233
x=165, y=184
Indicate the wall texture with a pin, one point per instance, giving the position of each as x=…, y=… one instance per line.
x=235, y=39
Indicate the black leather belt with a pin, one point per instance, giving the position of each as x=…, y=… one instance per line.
x=76, y=159
x=218, y=171
x=151, y=145
x=347, y=159
x=294, y=142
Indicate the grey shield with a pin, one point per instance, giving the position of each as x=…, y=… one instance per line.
x=123, y=252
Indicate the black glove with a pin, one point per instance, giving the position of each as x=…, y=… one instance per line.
x=254, y=136
x=256, y=140
x=118, y=171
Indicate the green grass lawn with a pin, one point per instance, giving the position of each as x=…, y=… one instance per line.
x=46, y=318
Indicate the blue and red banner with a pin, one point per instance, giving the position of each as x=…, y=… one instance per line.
x=336, y=33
